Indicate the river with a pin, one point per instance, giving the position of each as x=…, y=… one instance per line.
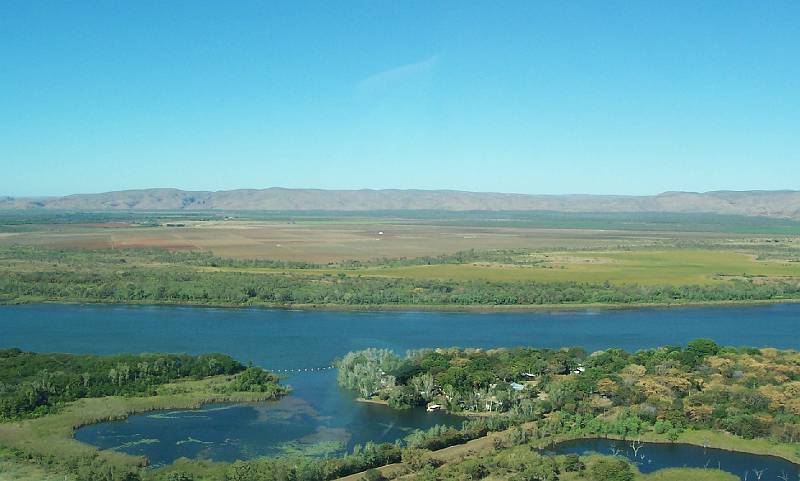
x=318, y=417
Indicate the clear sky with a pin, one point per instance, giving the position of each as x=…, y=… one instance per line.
x=629, y=97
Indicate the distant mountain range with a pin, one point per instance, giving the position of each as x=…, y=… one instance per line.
x=784, y=204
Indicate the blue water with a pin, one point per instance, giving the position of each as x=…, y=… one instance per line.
x=653, y=456
x=242, y=431
x=279, y=339
x=318, y=412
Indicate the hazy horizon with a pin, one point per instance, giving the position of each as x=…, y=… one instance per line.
x=367, y=189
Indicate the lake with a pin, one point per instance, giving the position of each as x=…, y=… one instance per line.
x=654, y=456
x=319, y=417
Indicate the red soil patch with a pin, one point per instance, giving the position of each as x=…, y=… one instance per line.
x=161, y=243
x=107, y=225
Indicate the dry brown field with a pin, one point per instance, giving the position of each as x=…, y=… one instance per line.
x=335, y=241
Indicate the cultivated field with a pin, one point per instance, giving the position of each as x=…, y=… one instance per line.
x=671, y=250
x=323, y=241
x=337, y=239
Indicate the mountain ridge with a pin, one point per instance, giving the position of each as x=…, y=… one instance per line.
x=772, y=203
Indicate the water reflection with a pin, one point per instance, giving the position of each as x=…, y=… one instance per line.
x=650, y=457
x=291, y=425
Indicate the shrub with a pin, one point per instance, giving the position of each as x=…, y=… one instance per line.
x=573, y=463
x=179, y=476
x=373, y=475
x=612, y=470
x=474, y=470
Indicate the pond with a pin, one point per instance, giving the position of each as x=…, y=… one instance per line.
x=650, y=457
x=318, y=415
x=227, y=432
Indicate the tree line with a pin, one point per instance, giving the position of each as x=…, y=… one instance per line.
x=35, y=384
x=163, y=285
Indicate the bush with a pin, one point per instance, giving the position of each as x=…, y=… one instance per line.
x=474, y=470
x=417, y=459
x=747, y=426
x=573, y=463
x=179, y=476
x=373, y=475
x=661, y=427
x=673, y=434
x=612, y=470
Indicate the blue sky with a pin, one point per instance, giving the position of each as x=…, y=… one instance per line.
x=628, y=97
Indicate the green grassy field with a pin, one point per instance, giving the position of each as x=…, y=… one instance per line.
x=688, y=474
x=675, y=266
x=643, y=266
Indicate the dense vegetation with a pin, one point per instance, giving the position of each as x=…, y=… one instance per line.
x=750, y=393
x=31, y=274
x=33, y=384
x=536, y=397
x=522, y=463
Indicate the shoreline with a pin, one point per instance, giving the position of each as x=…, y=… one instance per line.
x=475, y=308
x=379, y=402
x=59, y=440
x=715, y=441
x=485, y=443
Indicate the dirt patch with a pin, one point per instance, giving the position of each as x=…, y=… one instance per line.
x=337, y=240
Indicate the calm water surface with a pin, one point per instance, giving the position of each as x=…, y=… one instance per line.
x=318, y=416
x=652, y=456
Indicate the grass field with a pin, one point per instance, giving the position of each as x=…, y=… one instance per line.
x=14, y=469
x=639, y=266
x=407, y=250
x=321, y=242
x=675, y=266
x=686, y=474
x=334, y=238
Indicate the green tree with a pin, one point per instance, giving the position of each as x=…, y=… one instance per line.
x=474, y=469
x=703, y=347
x=613, y=469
